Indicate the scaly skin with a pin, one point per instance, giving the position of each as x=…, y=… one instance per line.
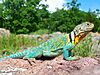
x=58, y=45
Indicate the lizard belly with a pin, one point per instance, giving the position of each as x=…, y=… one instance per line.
x=52, y=53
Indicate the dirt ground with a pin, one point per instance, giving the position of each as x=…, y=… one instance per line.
x=56, y=66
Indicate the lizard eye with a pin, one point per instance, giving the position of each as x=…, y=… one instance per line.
x=87, y=23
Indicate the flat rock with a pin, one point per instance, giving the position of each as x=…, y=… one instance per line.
x=56, y=66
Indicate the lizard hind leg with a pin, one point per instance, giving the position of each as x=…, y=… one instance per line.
x=30, y=57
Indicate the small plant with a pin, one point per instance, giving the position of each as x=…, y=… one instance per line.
x=84, y=47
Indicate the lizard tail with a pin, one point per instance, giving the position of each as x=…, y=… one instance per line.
x=16, y=55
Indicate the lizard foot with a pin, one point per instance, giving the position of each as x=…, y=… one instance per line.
x=30, y=60
x=73, y=58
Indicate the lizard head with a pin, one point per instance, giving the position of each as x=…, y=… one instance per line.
x=82, y=30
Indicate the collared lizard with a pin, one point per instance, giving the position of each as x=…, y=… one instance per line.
x=61, y=44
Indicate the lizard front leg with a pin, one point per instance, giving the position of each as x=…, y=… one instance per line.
x=67, y=53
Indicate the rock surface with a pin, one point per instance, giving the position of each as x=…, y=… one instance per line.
x=96, y=44
x=56, y=66
x=4, y=32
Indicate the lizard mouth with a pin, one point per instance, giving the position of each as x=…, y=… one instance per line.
x=84, y=33
x=89, y=29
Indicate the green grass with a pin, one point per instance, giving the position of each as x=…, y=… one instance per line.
x=84, y=47
x=14, y=43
